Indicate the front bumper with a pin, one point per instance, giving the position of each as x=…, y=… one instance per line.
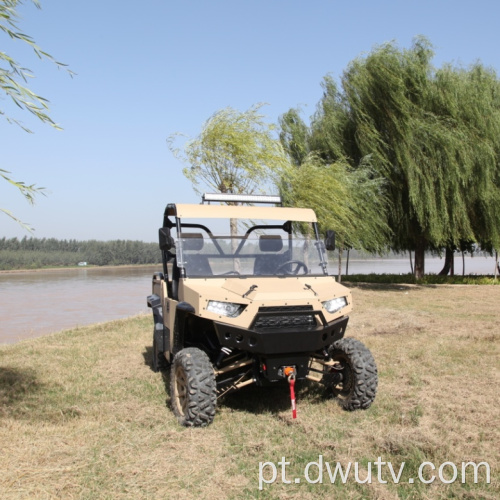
x=285, y=339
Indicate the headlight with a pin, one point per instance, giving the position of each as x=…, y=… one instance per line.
x=335, y=305
x=228, y=309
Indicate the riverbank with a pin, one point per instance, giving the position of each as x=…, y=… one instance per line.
x=58, y=269
x=82, y=415
x=428, y=279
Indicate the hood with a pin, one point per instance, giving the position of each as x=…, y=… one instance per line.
x=284, y=288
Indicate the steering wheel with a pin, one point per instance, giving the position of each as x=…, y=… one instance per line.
x=289, y=271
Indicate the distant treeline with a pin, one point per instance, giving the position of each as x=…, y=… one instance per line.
x=33, y=253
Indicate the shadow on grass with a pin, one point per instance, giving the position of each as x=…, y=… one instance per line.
x=18, y=388
x=148, y=356
x=148, y=359
x=254, y=399
x=24, y=397
x=269, y=398
x=272, y=398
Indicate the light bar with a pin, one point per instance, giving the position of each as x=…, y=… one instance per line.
x=242, y=198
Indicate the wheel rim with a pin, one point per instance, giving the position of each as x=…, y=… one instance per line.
x=180, y=396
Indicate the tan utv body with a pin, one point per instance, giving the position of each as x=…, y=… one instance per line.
x=245, y=297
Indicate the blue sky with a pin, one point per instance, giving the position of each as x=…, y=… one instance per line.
x=146, y=70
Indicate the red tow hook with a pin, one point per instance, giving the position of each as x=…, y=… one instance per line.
x=290, y=375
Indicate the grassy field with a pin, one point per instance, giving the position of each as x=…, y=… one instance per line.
x=83, y=416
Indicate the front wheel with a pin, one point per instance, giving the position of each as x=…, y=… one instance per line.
x=193, y=388
x=353, y=378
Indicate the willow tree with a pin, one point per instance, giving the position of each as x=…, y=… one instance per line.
x=468, y=101
x=431, y=134
x=349, y=201
x=234, y=153
x=334, y=176
x=331, y=176
x=13, y=84
x=329, y=135
x=294, y=136
x=480, y=113
x=416, y=123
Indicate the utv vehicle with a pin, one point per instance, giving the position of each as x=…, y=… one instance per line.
x=245, y=298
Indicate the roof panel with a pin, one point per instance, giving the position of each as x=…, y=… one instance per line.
x=194, y=211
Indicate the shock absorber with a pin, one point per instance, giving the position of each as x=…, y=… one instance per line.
x=225, y=351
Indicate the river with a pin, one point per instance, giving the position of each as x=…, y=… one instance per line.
x=40, y=302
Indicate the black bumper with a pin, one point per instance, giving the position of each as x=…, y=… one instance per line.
x=280, y=340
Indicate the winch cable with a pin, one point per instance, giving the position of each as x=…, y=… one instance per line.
x=290, y=375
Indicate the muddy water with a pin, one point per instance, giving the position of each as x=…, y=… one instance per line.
x=37, y=303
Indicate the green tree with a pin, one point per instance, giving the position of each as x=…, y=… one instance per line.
x=480, y=114
x=469, y=101
x=330, y=134
x=350, y=201
x=332, y=177
x=295, y=136
x=431, y=134
x=434, y=137
x=13, y=83
x=234, y=153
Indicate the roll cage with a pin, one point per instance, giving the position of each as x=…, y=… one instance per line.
x=176, y=250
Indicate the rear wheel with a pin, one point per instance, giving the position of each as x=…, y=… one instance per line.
x=193, y=388
x=353, y=379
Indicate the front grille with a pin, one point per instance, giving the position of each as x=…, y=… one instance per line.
x=285, y=309
x=285, y=317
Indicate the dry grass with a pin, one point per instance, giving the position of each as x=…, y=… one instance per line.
x=83, y=416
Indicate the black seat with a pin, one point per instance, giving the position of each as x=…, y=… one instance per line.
x=267, y=264
x=196, y=264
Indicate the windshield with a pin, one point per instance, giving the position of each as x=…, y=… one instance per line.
x=251, y=255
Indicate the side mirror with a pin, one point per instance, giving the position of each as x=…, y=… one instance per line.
x=166, y=240
x=330, y=240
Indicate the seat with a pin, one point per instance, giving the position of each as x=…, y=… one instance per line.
x=266, y=264
x=196, y=264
